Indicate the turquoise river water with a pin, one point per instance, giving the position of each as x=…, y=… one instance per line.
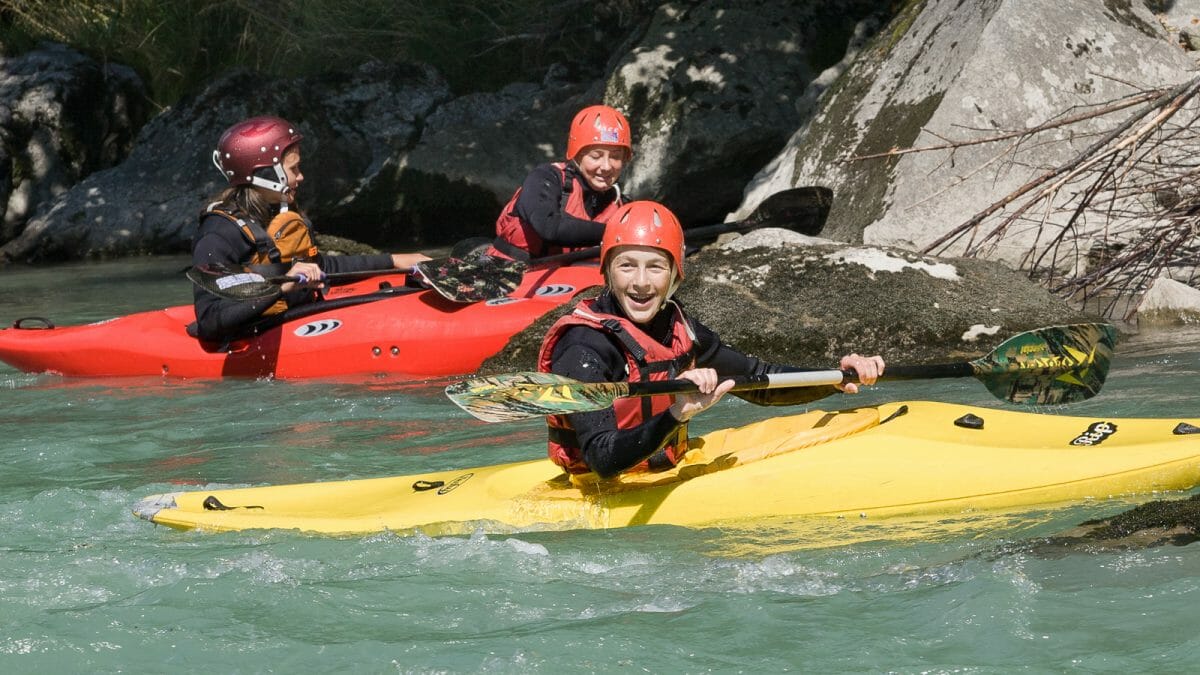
x=86, y=587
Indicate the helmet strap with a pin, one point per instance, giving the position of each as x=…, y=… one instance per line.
x=675, y=281
x=217, y=163
x=280, y=185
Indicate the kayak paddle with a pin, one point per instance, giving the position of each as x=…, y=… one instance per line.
x=800, y=209
x=1058, y=364
x=483, y=278
x=454, y=279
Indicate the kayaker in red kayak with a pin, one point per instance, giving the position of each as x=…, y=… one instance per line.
x=634, y=331
x=562, y=206
x=254, y=222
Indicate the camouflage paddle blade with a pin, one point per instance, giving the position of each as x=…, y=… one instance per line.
x=518, y=396
x=1059, y=364
x=233, y=284
x=476, y=280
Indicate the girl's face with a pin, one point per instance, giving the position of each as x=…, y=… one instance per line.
x=639, y=278
x=601, y=165
x=291, y=169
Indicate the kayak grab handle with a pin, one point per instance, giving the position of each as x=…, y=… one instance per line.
x=20, y=323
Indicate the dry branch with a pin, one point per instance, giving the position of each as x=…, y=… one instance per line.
x=1100, y=227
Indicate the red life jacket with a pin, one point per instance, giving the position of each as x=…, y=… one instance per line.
x=288, y=238
x=517, y=240
x=646, y=359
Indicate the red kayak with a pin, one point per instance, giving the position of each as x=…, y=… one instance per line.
x=372, y=327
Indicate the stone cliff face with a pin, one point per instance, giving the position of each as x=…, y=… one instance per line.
x=714, y=89
x=63, y=117
x=150, y=202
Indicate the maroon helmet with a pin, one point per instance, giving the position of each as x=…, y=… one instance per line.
x=253, y=144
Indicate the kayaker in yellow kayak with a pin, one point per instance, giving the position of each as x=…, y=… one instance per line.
x=562, y=206
x=635, y=331
x=254, y=222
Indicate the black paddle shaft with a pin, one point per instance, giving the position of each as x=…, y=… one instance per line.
x=928, y=372
x=809, y=206
x=653, y=388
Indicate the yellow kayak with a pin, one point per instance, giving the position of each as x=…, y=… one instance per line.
x=900, y=459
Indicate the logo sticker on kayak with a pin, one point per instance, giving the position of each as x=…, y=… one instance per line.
x=455, y=483
x=1095, y=434
x=315, y=328
x=550, y=291
x=553, y=290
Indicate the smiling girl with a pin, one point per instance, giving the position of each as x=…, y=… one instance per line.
x=563, y=206
x=634, y=331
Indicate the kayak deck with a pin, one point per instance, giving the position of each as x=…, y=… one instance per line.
x=901, y=459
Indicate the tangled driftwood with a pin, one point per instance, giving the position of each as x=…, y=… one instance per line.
x=1100, y=228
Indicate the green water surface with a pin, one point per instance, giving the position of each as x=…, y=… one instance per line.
x=86, y=587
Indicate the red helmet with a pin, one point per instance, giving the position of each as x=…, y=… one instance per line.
x=644, y=223
x=598, y=125
x=253, y=144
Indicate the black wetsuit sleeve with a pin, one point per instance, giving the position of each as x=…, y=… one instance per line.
x=218, y=241
x=538, y=205
x=338, y=264
x=712, y=353
x=586, y=354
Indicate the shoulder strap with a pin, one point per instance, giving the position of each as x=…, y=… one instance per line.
x=631, y=345
x=569, y=172
x=251, y=229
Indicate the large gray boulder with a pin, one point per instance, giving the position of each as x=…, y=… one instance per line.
x=63, y=116
x=947, y=70
x=812, y=303
x=354, y=126
x=806, y=302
